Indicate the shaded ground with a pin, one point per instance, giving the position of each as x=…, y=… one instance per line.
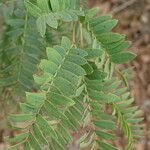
x=134, y=21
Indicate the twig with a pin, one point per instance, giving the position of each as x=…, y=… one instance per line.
x=123, y=6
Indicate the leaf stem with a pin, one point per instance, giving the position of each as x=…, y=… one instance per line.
x=74, y=33
x=81, y=31
x=123, y=78
x=23, y=44
x=81, y=35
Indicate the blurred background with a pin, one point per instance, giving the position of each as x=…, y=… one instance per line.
x=134, y=21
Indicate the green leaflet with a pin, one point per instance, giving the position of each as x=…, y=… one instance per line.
x=26, y=108
x=107, y=146
x=103, y=97
x=99, y=20
x=33, y=142
x=121, y=91
x=55, y=4
x=105, y=26
x=74, y=68
x=76, y=59
x=62, y=141
x=16, y=22
x=71, y=77
x=35, y=99
x=33, y=9
x=44, y=65
x=43, y=5
x=57, y=145
x=43, y=79
x=64, y=133
x=66, y=43
x=136, y=120
x=15, y=33
x=93, y=53
x=17, y=138
x=72, y=119
x=112, y=48
x=46, y=19
x=65, y=86
x=97, y=74
x=58, y=99
x=51, y=21
x=103, y=86
x=123, y=57
x=92, y=12
x=26, y=146
x=105, y=135
x=73, y=4
x=76, y=112
x=137, y=127
x=95, y=105
x=102, y=116
x=21, y=117
x=129, y=110
x=80, y=52
x=7, y=81
x=54, y=112
x=45, y=127
x=53, y=55
x=80, y=90
x=110, y=37
x=88, y=142
x=64, y=16
x=127, y=103
x=105, y=125
x=38, y=135
x=88, y=68
x=41, y=25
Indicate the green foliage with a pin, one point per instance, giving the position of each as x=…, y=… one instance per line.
x=60, y=10
x=113, y=43
x=72, y=88
x=23, y=51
